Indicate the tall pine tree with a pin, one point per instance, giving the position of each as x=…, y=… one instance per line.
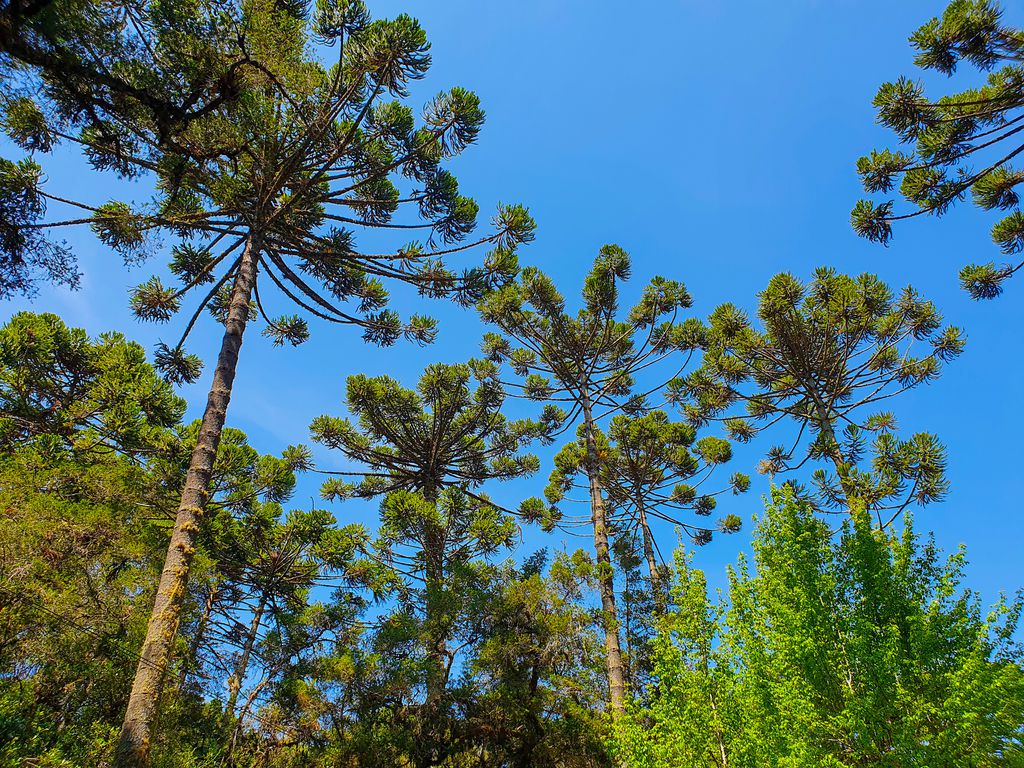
x=274, y=183
x=426, y=453
x=826, y=354
x=589, y=361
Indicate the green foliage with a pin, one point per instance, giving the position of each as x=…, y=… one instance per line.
x=427, y=452
x=288, y=163
x=826, y=352
x=25, y=254
x=537, y=682
x=80, y=533
x=442, y=434
x=92, y=462
x=961, y=142
x=850, y=649
x=590, y=361
x=658, y=467
x=61, y=391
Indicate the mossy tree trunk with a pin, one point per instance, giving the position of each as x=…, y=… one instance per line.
x=135, y=742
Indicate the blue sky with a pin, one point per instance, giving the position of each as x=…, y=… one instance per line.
x=716, y=143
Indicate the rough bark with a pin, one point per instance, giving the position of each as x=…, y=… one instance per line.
x=657, y=589
x=136, y=732
x=605, y=574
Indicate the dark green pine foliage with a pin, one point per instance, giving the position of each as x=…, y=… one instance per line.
x=657, y=469
x=426, y=453
x=125, y=81
x=164, y=64
x=652, y=470
x=80, y=532
x=260, y=626
x=588, y=361
x=825, y=355
x=966, y=141
x=536, y=672
x=61, y=391
x=307, y=155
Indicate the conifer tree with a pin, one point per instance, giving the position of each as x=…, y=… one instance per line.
x=826, y=353
x=91, y=472
x=81, y=420
x=536, y=672
x=274, y=184
x=164, y=64
x=426, y=453
x=964, y=141
x=61, y=391
x=655, y=468
x=588, y=361
x=276, y=560
x=126, y=82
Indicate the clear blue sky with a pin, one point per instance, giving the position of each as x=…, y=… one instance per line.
x=716, y=143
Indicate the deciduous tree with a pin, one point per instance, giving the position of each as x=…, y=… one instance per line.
x=835, y=648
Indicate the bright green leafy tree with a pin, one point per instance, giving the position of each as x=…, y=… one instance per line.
x=851, y=648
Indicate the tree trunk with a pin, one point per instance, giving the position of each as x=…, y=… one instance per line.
x=657, y=590
x=605, y=574
x=238, y=676
x=437, y=634
x=433, y=716
x=191, y=662
x=133, y=749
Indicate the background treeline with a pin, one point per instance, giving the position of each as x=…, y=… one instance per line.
x=163, y=599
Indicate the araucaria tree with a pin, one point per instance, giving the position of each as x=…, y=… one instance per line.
x=657, y=468
x=588, y=362
x=116, y=78
x=274, y=184
x=965, y=141
x=426, y=454
x=826, y=354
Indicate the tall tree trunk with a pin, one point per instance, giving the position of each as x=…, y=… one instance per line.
x=238, y=676
x=190, y=663
x=657, y=589
x=605, y=573
x=133, y=749
x=433, y=727
x=437, y=634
